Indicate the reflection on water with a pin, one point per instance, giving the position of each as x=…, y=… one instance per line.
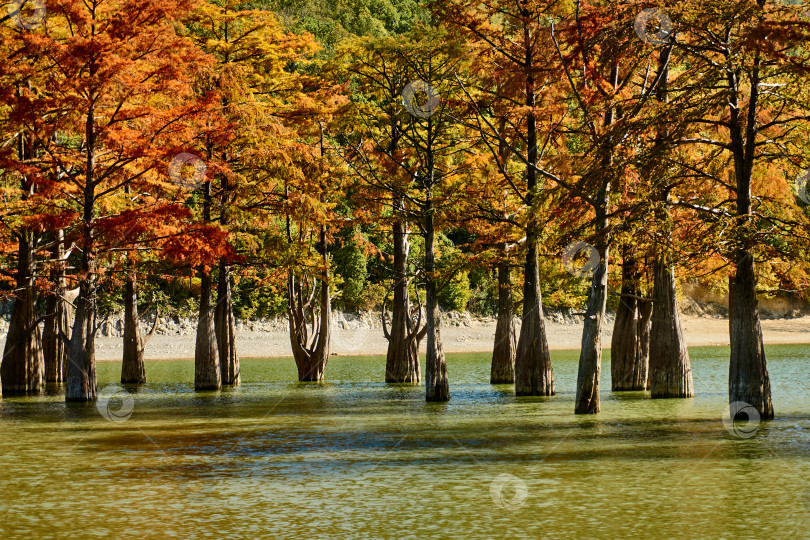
x=357, y=457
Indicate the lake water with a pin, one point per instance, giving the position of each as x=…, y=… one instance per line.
x=356, y=457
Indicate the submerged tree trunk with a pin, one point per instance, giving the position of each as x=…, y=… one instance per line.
x=670, y=372
x=54, y=337
x=748, y=380
x=225, y=324
x=437, y=386
x=207, y=375
x=23, y=370
x=56, y=332
x=503, y=353
x=206, y=355
x=133, y=370
x=590, y=356
x=644, y=330
x=311, y=353
x=670, y=368
x=81, y=365
x=533, y=373
x=402, y=360
x=629, y=346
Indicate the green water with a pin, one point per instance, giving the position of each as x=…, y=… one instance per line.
x=357, y=458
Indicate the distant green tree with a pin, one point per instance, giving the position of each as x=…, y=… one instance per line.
x=332, y=21
x=455, y=291
x=483, y=292
x=456, y=294
x=350, y=264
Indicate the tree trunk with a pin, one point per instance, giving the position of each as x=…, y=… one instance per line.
x=81, y=365
x=503, y=353
x=670, y=369
x=644, y=329
x=311, y=359
x=132, y=367
x=54, y=337
x=402, y=360
x=311, y=354
x=225, y=324
x=23, y=370
x=56, y=332
x=748, y=371
x=206, y=356
x=670, y=372
x=748, y=379
x=590, y=356
x=629, y=347
x=533, y=373
x=437, y=386
x=81, y=368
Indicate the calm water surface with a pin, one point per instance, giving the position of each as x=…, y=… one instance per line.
x=356, y=457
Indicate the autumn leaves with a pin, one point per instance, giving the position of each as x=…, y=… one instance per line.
x=205, y=141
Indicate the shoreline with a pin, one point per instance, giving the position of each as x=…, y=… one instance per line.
x=476, y=337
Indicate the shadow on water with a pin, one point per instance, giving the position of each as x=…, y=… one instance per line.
x=135, y=388
x=630, y=395
x=503, y=390
x=54, y=389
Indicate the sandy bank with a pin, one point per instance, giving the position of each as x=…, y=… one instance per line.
x=477, y=337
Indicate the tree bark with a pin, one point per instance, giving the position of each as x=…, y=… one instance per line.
x=503, y=354
x=533, y=373
x=311, y=353
x=670, y=368
x=644, y=330
x=81, y=365
x=207, y=374
x=225, y=324
x=23, y=370
x=311, y=358
x=670, y=371
x=56, y=331
x=590, y=356
x=402, y=360
x=629, y=347
x=748, y=381
x=437, y=386
x=133, y=370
